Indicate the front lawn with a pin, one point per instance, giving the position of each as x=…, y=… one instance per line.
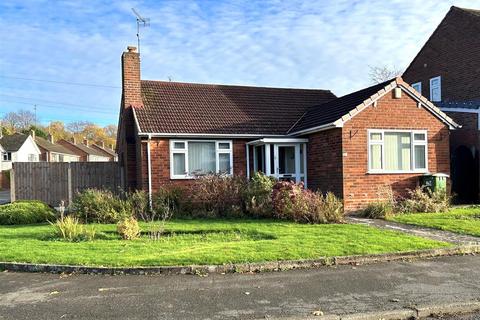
x=206, y=242
x=461, y=220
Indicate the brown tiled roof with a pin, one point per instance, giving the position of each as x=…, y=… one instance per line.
x=332, y=111
x=86, y=149
x=107, y=151
x=52, y=147
x=172, y=107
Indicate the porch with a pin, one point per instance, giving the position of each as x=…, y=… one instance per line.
x=282, y=158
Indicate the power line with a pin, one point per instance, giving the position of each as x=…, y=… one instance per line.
x=63, y=82
x=58, y=107
x=89, y=108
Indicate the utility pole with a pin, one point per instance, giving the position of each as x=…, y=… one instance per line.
x=35, y=111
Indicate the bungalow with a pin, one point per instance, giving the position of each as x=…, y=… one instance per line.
x=18, y=148
x=83, y=151
x=52, y=152
x=387, y=134
x=108, y=152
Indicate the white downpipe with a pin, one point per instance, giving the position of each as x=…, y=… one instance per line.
x=149, y=172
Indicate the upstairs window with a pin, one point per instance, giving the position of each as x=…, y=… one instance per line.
x=191, y=158
x=397, y=151
x=32, y=158
x=417, y=86
x=436, y=89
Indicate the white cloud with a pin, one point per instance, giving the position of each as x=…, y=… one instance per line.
x=312, y=44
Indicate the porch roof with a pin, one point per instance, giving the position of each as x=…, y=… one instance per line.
x=277, y=140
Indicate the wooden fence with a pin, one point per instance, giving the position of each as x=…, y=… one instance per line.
x=52, y=182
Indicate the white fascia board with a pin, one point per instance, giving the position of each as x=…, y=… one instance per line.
x=324, y=127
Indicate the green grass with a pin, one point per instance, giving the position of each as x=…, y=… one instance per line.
x=464, y=220
x=206, y=242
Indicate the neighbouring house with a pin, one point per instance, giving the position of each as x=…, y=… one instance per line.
x=18, y=147
x=384, y=135
x=84, y=151
x=52, y=152
x=108, y=152
x=447, y=71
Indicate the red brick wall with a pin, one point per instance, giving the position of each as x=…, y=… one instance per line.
x=324, y=161
x=4, y=180
x=452, y=52
x=160, y=163
x=83, y=155
x=360, y=187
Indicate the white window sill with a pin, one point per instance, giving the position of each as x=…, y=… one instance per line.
x=397, y=172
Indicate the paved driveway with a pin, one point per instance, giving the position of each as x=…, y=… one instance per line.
x=340, y=290
x=4, y=196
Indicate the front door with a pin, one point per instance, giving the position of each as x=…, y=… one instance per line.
x=285, y=162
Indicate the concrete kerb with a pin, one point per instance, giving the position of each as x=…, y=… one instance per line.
x=243, y=267
x=418, y=312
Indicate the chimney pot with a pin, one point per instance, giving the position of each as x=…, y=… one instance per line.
x=132, y=49
x=85, y=142
x=32, y=133
x=73, y=140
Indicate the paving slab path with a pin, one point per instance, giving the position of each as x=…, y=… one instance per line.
x=434, y=234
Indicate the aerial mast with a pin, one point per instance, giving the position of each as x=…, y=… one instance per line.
x=141, y=21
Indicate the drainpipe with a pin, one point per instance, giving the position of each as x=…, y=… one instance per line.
x=149, y=172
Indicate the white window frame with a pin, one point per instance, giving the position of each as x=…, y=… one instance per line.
x=7, y=156
x=184, y=151
x=419, y=85
x=413, y=143
x=439, y=78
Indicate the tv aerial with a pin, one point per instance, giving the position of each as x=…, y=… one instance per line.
x=141, y=21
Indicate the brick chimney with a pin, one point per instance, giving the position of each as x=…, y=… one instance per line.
x=131, y=78
x=51, y=139
x=85, y=141
x=32, y=133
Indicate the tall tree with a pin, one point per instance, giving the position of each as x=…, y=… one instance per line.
x=379, y=74
x=19, y=120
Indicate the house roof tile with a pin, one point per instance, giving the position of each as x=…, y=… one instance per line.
x=172, y=107
x=14, y=142
x=52, y=147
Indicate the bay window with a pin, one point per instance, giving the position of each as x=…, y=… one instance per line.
x=191, y=158
x=397, y=151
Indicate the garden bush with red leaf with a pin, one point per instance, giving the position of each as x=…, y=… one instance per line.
x=292, y=201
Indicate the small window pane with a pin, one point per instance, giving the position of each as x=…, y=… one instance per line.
x=178, y=164
x=201, y=158
x=397, y=151
x=224, y=162
x=419, y=136
x=375, y=157
x=377, y=136
x=179, y=145
x=224, y=145
x=420, y=162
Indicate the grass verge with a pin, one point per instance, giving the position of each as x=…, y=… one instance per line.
x=206, y=242
x=465, y=220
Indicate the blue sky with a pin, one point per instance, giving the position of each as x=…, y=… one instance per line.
x=308, y=44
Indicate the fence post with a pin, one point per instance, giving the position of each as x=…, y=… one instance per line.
x=12, y=184
x=69, y=183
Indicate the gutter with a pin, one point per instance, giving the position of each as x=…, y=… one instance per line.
x=149, y=165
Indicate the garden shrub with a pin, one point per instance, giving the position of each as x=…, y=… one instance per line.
x=217, y=196
x=128, y=228
x=70, y=229
x=258, y=195
x=101, y=206
x=168, y=201
x=139, y=202
x=386, y=207
x=425, y=200
x=379, y=210
x=26, y=212
x=293, y=202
